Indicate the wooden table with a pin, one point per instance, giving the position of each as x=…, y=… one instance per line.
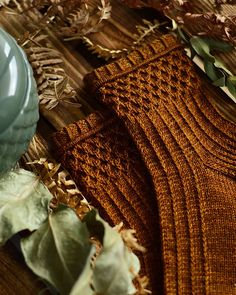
x=117, y=33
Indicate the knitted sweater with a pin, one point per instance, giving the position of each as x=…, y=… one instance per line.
x=170, y=161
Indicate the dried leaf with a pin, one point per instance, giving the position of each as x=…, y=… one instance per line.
x=4, y=2
x=24, y=203
x=147, y=29
x=52, y=81
x=61, y=185
x=115, y=267
x=59, y=249
x=215, y=69
x=129, y=239
x=231, y=86
x=220, y=82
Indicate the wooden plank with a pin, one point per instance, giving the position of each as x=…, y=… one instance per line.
x=116, y=33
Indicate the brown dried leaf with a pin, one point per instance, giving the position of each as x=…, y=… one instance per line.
x=52, y=82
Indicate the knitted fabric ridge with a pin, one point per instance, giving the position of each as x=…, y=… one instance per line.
x=164, y=155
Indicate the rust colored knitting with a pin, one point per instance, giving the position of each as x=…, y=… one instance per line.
x=189, y=151
x=103, y=160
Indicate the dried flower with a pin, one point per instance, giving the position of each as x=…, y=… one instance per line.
x=61, y=185
x=142, y=284
x=129, y=239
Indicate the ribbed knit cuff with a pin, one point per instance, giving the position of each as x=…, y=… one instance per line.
x=68, y=137
x=137, y=58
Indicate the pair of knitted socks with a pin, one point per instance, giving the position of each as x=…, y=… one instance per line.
x=163, y=161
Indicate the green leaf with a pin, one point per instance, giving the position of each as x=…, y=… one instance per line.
x=219, y=64
x=202, y=48
x=24, y=203
x=211, y=70
x=231, y=87
x=58, y=250
x=83, y=284
x=232, y=79
x=220, y=82
x=111, y=274
x=182, y=35
x=219, y=45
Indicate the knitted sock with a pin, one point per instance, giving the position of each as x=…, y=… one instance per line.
x=105, y=163
x=189, y=150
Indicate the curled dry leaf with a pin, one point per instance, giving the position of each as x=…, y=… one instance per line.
x=84, y=20
x=211, y=25
x=221, y=2
x=24, y=203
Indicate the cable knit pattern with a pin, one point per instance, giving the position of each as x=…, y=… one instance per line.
x=189, y=150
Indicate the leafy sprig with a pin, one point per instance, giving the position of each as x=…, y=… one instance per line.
x=205, y=47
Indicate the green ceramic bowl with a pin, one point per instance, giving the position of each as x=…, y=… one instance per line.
x=18, y=102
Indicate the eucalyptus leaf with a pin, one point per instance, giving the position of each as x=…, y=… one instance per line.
x=202, y=48
x=24, y=202
x=182, y=35
x=83, y=284
x=59, y=249
x=211, y=71
x=220, y=82
x=231, y=87
x=232, y=80
x=219, y=64
x=111, y=274
x=218, y=45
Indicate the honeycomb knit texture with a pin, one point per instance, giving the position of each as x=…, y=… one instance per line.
x=164, y=155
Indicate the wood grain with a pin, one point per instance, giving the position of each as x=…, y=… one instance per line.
x=117, y=33
x=15, y=277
